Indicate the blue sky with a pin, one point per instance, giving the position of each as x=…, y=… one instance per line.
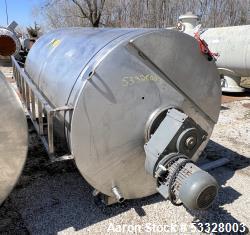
x=18, y=10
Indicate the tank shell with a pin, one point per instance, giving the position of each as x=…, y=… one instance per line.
x=232, y=45
x=13, y=139
x=115, y=79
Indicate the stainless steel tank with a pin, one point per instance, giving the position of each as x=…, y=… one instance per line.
x=119, y=82
x=230, y=43
x=13, y=139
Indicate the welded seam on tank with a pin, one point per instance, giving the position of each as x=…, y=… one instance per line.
x=148, y=62
x=66, y=124
x=92, y=58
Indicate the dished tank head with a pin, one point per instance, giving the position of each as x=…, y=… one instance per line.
x=13, y=139
x=119, y=81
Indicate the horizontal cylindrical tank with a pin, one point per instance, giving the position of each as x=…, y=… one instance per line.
x=232, y=46
x=13, y=139
x=115, y=79
x=9, y=43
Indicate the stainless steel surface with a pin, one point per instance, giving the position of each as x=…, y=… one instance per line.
x=232, y=44
x=231, y=83
x=117, y=194
x=13, y=139
x=41, y=113
x=188, y=22
x=115, y=79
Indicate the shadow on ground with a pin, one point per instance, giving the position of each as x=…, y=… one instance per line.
x=53, y=197
x=227, y=195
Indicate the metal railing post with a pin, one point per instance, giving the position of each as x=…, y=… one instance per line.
x=35, y=103
x=50, y=117
x=40, y=118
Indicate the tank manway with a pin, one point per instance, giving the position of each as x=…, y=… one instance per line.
x=136, y=107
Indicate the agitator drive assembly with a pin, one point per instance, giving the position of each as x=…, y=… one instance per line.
x=136, y=108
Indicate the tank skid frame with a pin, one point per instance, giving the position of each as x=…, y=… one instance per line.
x=41, y=113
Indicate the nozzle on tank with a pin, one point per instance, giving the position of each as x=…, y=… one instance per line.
x=118, y=194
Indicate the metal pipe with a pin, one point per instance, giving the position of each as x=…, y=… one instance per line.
x=118, y=194
x=9, y=42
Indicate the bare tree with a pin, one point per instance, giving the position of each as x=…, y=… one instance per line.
x=68, y=13
x=143, y=13
x=92, y=10
x=34, y=31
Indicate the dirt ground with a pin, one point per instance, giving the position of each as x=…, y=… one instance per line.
x=227, y=98
x=245, y=82
x=55, y=199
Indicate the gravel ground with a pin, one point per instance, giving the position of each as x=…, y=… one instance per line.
x=245, y=82
x=55, y=199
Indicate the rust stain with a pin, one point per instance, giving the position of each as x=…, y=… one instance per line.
x=7, y=46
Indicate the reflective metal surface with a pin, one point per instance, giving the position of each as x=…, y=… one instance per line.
x=115, y=79
x=13, y=139
x=232, y=44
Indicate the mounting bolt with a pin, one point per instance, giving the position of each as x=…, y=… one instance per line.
x=204, y=137
x=190, y=142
